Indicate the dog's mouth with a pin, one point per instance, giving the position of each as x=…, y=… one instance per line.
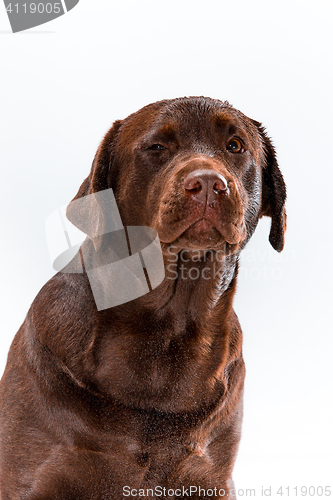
x=201, y=235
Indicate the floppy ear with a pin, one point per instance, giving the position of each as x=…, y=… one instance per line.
x=273, y=193
x=87, y=214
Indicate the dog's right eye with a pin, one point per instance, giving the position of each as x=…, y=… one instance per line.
x=156, y=147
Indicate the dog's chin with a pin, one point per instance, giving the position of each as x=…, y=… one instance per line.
x=202, y=235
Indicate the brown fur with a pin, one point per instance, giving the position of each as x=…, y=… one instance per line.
x=148, y=393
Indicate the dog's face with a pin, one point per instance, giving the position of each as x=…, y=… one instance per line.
x=195, y=169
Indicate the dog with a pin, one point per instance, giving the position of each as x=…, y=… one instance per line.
x=145, y=398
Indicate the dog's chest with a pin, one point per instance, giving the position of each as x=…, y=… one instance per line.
x=156, y=451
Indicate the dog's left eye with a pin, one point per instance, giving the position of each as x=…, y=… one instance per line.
x=156, y=147
x=235, y=146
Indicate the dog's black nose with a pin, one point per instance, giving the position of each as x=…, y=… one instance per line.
x=205, y=185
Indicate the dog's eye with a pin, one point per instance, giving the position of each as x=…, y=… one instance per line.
x=156, y=147
x=235, y=146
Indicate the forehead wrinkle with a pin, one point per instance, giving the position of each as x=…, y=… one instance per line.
x=199, y=147
x=164, y=129
x=167, y=128
x=222, y=118
x=229, y=121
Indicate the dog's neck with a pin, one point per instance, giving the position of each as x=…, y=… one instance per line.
x=195, y=288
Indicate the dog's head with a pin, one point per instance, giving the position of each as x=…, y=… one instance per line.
x=197, y=170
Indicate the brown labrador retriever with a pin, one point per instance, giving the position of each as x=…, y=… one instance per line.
x=145, y=399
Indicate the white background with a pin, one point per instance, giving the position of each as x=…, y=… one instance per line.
x=63, y=84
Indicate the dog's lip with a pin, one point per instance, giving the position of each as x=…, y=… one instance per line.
x=186, y=228
x=203, y=230
x=205, y=223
